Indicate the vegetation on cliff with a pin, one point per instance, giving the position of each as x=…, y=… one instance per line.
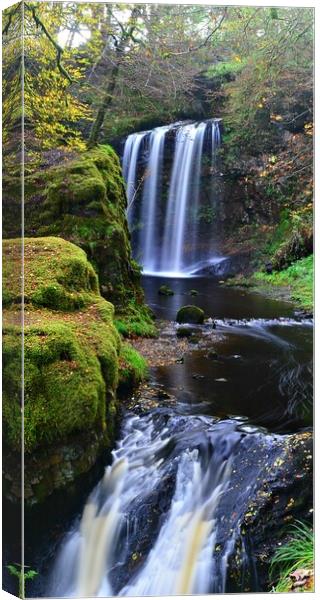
x=73, y=358
x=71, y=346
x=83, y=200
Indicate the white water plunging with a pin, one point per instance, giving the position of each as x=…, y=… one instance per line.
x=186, y=462
x=184, y=182
x=129, y=165
x=168, y=235
x=151, y=194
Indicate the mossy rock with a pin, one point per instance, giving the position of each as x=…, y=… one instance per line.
x=135, y=320
x=190, y=314
x=185, y=332
x=132, y=368
x=71, y=358
x=164, y=290
x=57, y=274
x=83, y=201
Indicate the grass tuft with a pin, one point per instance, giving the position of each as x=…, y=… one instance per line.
x=297, y=553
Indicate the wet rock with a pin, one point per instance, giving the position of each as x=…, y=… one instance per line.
x=193, y=293
x=213, y=355
x=164, y=290
x=180, y=361
x=185, y=332
x=197, y=376
x=268, y=268
x=281, y=495
x=194, y=339
x=190, y=314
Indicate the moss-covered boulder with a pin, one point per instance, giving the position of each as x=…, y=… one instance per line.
x=132, y=369
x=165, y=290
x=71, y=366
x=190, y=314
x=83, y=200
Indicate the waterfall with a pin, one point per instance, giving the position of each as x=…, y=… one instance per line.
x=129, y=165
x=184, y=190
x=154, y=522
x=168, y=235
x=151, y=194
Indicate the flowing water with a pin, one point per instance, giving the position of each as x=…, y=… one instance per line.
x=167, y=238
x=166, y=516
x=130, y=165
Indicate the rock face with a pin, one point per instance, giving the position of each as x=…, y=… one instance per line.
x=71, y=366
x=83, y=200
x=190, y=314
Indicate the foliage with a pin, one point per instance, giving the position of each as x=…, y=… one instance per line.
x=298, y=277
x=22, y=576
x=132, y=368
x=297, y=553
x=120, y=67
x=135, y=320
x=277, y=53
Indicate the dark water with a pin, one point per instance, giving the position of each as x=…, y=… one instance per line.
x=216, y=300
x=252, y=372
x=257, y=361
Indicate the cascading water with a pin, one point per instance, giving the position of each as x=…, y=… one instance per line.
x=129, y=165
x=153, y=524
x=151, y=194
x=184, y=185
x=168, y=235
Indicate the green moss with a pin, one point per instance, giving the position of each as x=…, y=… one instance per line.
x=225, y=70
x=57, y=274
x=135, y=320
x=70, y=356
x=71, y=370
x=164, y=290
x=83, y=201
x=190, y=314
x=298, y=277
x=133, y=368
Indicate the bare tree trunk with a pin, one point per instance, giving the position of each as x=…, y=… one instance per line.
x=106, y=102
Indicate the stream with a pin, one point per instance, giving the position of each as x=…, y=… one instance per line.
x=167, y=515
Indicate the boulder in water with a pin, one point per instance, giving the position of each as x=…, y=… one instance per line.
x=190, y=314
x=164, y=290
x=193, y=293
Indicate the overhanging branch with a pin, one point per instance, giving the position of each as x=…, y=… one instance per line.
x=57, y=47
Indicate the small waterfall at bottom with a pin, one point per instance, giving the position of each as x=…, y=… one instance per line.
x=155, y=525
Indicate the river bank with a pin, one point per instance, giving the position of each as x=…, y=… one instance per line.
x=294, y=284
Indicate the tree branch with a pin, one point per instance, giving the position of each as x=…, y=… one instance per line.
x=204, y=43
x=58, y=49
x=10, y=14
